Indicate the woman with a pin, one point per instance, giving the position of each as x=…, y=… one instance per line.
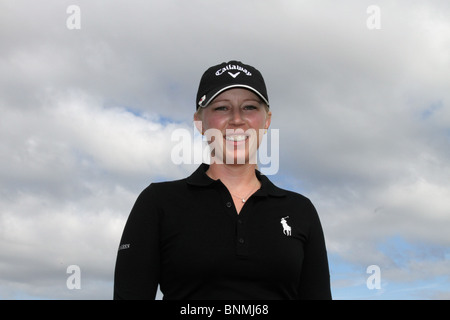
x=225, y=232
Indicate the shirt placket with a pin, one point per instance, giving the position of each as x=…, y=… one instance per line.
x=241, y=241
x=241, y=238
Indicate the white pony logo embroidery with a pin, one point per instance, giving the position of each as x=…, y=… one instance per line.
x=286, y=227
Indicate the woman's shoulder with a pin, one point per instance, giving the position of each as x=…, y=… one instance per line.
x=291, y=198
x=299, y=200
x=281, y=193
x=296, y=195
x=162, y=187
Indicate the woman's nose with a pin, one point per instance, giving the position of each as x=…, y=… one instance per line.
x=236, y=117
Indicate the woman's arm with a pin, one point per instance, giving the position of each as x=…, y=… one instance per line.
x=315, y=276
x=138, y=265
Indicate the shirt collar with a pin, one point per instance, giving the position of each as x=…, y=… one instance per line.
x=201, y=179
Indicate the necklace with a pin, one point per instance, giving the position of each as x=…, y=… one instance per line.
x=244, y=198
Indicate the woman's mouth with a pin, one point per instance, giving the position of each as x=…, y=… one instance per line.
x=236, y=137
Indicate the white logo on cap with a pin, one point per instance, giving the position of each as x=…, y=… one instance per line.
x=233, y=67
x=201, y=100
x=234, y=75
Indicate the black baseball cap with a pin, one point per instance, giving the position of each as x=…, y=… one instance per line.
x=228, y=75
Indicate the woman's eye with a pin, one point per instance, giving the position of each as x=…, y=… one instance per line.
x=250, y=107
x=220, y=108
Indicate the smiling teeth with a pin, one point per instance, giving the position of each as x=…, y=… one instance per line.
x=236, y=138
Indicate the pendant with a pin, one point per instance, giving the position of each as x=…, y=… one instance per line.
x=243, y=200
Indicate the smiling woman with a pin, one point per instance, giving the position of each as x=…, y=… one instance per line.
x=234, y=124
x=225, y=232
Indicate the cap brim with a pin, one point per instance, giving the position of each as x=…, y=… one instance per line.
x=234, y=86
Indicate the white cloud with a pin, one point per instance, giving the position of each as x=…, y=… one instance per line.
x=70, y=176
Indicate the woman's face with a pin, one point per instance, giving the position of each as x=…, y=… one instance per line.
x=234, y=124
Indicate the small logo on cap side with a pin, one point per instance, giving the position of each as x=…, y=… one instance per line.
x=202, y=99
x=234, y=75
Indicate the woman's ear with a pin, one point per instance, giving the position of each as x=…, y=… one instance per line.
x=198, y=122
x=268, y=119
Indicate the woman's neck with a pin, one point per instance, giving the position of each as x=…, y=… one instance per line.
x=237, y=178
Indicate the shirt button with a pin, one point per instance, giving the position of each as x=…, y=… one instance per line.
x=241, y=240
x=228, y=204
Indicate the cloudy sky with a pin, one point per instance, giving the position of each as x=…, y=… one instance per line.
x=359, y=94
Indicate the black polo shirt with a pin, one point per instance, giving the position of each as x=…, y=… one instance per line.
x=186, y=236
